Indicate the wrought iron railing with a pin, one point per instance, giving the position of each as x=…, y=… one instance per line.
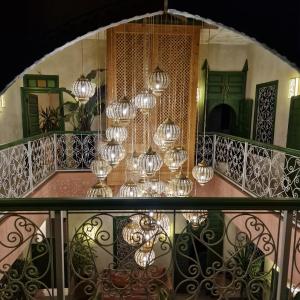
x=259, y=169
x=76, y=248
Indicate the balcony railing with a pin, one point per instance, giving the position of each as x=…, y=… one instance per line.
x=79, y=249
x=229, y=248
x=259, y=169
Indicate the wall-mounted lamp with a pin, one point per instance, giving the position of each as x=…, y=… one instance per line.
x=198, y=95
x=294, y=87
x=2, y=103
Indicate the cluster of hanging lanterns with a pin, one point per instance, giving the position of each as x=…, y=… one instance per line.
x=145, y=230
x=140, y=232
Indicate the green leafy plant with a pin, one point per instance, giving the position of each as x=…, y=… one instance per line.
x=81, y=116
x=21, y=274
x=50, y=119
x=250, y=261
x=83, y=270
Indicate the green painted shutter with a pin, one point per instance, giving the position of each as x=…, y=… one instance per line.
x=245, y=118
x=33, y=115
x=293, y=137
x=216, y=82
x=235, y=90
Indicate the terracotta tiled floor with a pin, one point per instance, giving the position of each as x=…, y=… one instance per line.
x=76, y=184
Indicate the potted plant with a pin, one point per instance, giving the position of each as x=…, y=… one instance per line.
x=250, y=259
x=83, y=267
x=13, y=283
x=50, y=119
x=81, y=117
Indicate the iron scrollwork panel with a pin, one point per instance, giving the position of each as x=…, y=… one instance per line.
x=43, y=158
x=26, y=258
x=222, y=255
x=18, y=168
x=230, y=158
x=208, y=149
x=4, y=174
x=266, y=97
x=285, y=173
x=75, y=151
x=98, y=270
x=258, y=170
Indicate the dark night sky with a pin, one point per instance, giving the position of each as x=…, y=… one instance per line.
x=30, y=29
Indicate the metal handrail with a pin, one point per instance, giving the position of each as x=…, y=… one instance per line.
x=252, y=142
x=164, y=203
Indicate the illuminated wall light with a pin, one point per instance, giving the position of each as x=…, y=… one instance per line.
x=294, y=87
x=198, y=95
x=2, y=103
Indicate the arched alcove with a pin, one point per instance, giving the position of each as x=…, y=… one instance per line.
x=223, y=119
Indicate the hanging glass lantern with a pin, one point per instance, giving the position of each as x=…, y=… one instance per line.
x=195, y=217
x=124, y=110
x=83, y=89
x=169, y=189
x=145, y=101
x=132, y=163
x=203, y=173
x=111, y=111
x=144, y=257
x=163, y=224
x=133, y=234
x=158, y=81
x=181, y=185
x=100, y=190
x=142, y=184
x=116, y=132
x=174, y=158
x=130, y=189
x=113, y=152
x=156, y=185
x=148, y=193
x=160, y=143
x=150, y=162
x=168, y=131
x=100, y=168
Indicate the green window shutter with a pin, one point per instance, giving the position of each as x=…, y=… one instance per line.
x=245, y=118
x=33, y=115
x=293, y=137
x=215, y=90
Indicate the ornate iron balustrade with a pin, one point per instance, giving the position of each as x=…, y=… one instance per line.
x=259, y=169
x=230, y=249
x=26, y=164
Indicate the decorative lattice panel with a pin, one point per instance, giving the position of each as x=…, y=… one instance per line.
x=133, y=51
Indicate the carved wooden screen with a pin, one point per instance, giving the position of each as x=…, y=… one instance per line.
x=133, y=51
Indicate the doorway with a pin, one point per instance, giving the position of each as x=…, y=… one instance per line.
x=222, y=119
x=42, y=104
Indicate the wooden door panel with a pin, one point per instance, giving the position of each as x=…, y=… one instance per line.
x=33, y=115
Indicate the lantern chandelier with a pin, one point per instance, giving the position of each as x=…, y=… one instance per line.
x=83, y=89
x=147, y=228
x=163, y=147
